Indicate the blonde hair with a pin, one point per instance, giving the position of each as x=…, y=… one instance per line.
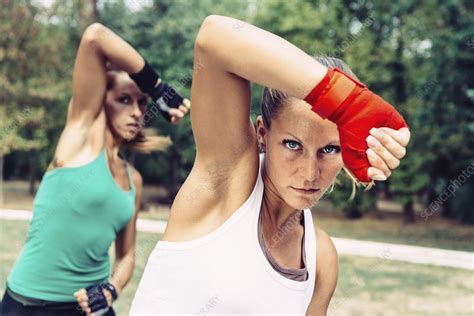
x=147, y=140
x=273, y=100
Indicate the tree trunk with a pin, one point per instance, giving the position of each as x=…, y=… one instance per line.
x=1, y=178
x=408, y=212
x=88, y=13
x=386, y=190
x=31, y=164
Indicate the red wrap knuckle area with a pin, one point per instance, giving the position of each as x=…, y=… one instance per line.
x=353, y=154
x=355, y=110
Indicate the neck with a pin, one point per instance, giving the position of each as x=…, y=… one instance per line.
x=112, y=144
x=275, y=211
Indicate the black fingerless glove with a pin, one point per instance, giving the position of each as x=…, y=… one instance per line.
x=164, y=97
x=96, y=298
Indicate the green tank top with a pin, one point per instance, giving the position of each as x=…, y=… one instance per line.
x=77, y=213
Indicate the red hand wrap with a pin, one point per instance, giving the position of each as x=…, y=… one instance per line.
x=355, y=110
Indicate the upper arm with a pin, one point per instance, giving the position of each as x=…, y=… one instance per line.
x=226, y=142
x=326, y=274
x=89, y=78
x=220, y=112
x=125, y=242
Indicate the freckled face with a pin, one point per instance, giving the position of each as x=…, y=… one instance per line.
x=125, y=106
x=303, y=155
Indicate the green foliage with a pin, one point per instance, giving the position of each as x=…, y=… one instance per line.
x=353, y=206
x=417, y=55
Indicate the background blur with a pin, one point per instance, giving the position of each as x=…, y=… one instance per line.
x=418, y=55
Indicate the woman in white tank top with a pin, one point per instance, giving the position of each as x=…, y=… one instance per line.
x=240, y=239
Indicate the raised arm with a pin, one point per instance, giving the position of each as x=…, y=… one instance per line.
x=98, y=45
x=230, y=48
x=226, y=60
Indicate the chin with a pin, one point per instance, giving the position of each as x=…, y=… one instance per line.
x=301, y=203
x=129, y=136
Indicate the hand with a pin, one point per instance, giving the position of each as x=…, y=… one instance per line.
x=167, y=99
x=83, y=300
x=180, y=112
x=386, y=147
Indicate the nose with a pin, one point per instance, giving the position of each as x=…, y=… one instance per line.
x=309, y=168
x=136, y=112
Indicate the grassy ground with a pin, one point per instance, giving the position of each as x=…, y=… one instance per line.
x=436, y=232
x=367, y=286
x=377, y=286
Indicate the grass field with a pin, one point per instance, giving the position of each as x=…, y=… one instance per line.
x=367, y=286
x=436, y=232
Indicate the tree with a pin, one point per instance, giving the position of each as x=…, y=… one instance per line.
x=27, y=65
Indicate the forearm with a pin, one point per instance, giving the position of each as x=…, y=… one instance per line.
x=123, y=271
x=258, y=56
x=113, y=48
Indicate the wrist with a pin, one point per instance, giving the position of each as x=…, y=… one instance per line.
x=146, y=79
x=113, y=289
x=331, y=92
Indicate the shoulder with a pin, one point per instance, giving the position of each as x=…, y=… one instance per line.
x=136, y=178
x=326, y=260
x=327, y=271
x=326, y=252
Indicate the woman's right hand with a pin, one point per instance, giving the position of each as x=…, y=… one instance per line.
x=84, y=301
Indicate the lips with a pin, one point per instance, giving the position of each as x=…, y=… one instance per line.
x=306, y=191
x=133, y=126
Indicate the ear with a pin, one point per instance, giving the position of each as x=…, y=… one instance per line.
x=261, y=132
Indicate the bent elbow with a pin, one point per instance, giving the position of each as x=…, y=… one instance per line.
x=93, y=33
x=208, y=34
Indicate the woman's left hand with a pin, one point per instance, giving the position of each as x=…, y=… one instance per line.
x=386, y=147
x=178, y=113
x=82, y=299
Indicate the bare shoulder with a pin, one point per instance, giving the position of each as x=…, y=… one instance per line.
x=327, y=270
x=136, y=178
x=325, y=245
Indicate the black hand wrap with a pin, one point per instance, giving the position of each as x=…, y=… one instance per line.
x=164, y=97
x=146, y=78
x=96, y=298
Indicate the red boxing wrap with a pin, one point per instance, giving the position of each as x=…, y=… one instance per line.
x=355, y=110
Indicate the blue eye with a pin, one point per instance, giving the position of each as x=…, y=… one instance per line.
x=291, y=144
x=331, y=149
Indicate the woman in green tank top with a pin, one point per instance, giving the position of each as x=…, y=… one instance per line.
x=89, y=197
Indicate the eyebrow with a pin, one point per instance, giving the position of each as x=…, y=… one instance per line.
x=332, y=142
x=130, y=94
x=292, y=136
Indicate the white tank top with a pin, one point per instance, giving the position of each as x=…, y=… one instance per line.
x=224, y=272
